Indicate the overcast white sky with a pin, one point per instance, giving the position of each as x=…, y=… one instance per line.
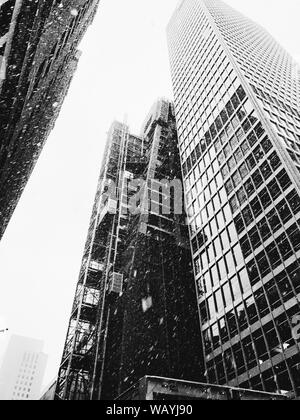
x=123, y=70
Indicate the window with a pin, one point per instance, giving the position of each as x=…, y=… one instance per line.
x=234, y=204
x=273, y=255
x=249, y=187
x=227, y=295
x=222, y=269
x=260, y=345
x=294, y=201
x=251, y=162
x=256, y=207
x=261, y=303
x=264, y=229
x=263, y=263
x=251, y=310
x=294, y=236
x=284, y=286
x=223, y=330
x=247, y=216
x=274, y=220
x=211, y=307
x=225, y=240
x=246, y=246
x=241, y=317
x=230, y=262
x=245, y=147
x=275, y=161
x=253, y=272
x=284, y=180
x=259, y=130
x=266, y=145
x=207, y=341
x=236, y=179
x=284, y=211
x=241, y=93
x=214, y=276
x=231, y=164
x=265, y=198
x=257, y=179
x=204, y=312
x=238, y=255
x=243, y=170
x=273, y=295
x=248, y=346
x=236, y=289
x=244, y=280
x=259, y=154
x=266, y=170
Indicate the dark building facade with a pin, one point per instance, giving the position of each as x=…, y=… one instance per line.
x=237, y=102
x=38, y=56
x=143, y=319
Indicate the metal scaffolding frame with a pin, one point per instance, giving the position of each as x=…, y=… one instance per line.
x=99, y=282
x=97, y=352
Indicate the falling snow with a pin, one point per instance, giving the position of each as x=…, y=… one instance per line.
x=74, y=12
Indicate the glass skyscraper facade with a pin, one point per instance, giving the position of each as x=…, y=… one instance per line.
x=237, y=96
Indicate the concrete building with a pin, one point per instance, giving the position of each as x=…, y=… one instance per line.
x=135, y=310
x=237, y=97
x=38, y=57
x=22, y=370
x=164, y=389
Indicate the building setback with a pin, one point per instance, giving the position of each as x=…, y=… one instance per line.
x=238, y=117
x=38, y=56
x=135, y=310
x=163, y=389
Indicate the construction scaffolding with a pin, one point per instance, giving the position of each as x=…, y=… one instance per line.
x=135, y=309
x=99, y=281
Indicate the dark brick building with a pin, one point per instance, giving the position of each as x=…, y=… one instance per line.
x=38, y=57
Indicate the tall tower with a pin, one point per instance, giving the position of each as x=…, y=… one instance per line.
x=22, y=370
x=38, y=57
x=237, y=98
x=135, y=310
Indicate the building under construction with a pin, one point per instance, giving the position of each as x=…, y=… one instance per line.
x=135, y=310
x=38, y=56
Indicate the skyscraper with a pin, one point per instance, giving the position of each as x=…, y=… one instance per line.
x=237, y=98
x=38, y=56
x=22, y=370
x=135, y=310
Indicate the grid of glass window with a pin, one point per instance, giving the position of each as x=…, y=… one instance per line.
x=26, y=377
x=242, y=202
x=271, y=71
